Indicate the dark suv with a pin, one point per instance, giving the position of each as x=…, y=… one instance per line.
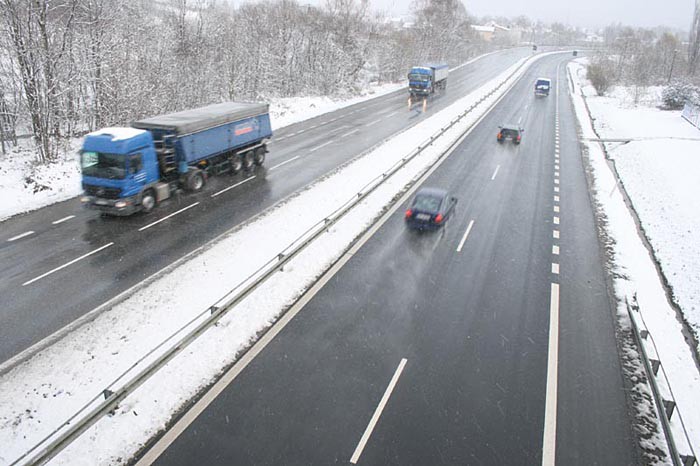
x=511, y=132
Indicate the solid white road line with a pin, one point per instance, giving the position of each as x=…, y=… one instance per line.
x=231, y=187
x=464, y=238
x=168, y=216
x=322, y=145
x=377, y=413
x=66, y=264
x=280, y=164
x=64, y=219
x=20, y=236
x=495, y=172
x=550, y=409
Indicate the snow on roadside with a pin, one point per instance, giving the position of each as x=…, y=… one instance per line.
x=44, y=391
x=653, y=175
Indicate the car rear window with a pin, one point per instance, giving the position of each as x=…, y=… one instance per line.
x=427, y=203
x=509, y=132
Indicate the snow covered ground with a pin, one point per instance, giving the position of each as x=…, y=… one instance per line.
x=44, y=391
x=659, y=170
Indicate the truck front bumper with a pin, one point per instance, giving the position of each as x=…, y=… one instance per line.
x=119, y=207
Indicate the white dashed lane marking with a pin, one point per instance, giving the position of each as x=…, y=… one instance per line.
x=20, y=236
x=66, y=264
x=64, y=219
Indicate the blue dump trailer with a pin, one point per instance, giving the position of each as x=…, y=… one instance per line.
x=542, y=86
x=126, y=170
x=426, y=80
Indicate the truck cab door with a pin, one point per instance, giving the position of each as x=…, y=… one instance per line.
x=136, y=170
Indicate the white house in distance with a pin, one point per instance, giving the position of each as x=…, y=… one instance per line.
x=492, y=31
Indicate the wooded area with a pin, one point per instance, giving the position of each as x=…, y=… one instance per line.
x=70, y=66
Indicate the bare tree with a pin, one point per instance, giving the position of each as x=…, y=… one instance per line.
x=694, y=41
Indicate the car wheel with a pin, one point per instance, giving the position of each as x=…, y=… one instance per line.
x=259, y=155
x=148, y=201
x=236, y=163
x=195, y=181
x=248, y=160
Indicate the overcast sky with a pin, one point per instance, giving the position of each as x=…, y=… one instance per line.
x=587, y=13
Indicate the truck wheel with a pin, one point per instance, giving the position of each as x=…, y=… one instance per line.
x=195, y=181
x=248, y=160
x=236, y=163
x=148, y=201
x=259, y=155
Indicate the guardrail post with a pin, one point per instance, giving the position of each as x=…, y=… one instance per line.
x=213, y=310
x=655, y=364
x=107, y=393
x=669, y=406
x=644, y=334
x=688, y=460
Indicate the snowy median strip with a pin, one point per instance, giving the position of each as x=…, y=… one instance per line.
x=43, y=392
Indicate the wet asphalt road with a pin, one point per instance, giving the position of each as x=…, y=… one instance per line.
x=91, y=259
x=471, y=325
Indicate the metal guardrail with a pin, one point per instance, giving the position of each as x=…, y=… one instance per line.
x=666, y=406
x=108, y=399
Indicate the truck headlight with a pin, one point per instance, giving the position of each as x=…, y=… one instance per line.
x=120, y=204
x=84, y=199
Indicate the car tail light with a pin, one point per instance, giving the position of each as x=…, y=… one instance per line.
x=409, y=213
x=438, y=218
x=518, y=139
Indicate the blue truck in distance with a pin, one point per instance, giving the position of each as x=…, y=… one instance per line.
x=542, y=86
x=126, y=170
x=425, y=80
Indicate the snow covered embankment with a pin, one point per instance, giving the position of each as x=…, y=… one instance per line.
x=659, y=169
x=47, y=389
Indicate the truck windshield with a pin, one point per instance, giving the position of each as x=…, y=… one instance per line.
x=418, y=77
x=99, y=165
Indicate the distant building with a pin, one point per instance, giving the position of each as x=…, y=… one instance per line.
x=492, y=31
x=486, y=33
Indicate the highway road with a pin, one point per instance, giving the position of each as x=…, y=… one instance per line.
x=60, y=262
x=489, y=342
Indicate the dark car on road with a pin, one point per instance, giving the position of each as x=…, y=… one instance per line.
x=511, y=132
x=430, y=209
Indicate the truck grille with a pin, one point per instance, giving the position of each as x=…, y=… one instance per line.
x=102, y=191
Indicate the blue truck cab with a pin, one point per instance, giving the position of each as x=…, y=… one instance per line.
x=542, y=86
x=126, y=170
x=117, y=163
x=425, y=80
